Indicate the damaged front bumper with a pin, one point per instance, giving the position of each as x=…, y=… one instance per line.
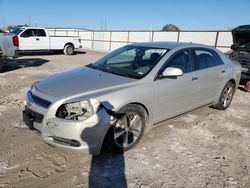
x=83, y=136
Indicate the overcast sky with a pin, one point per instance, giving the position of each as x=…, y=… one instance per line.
x=126, y=14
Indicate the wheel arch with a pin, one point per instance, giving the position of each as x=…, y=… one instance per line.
x=69, y=43
x=113, y=113
x=232, y=81
x=145, y=108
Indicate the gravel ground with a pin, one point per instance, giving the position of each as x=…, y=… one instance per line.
x=203, y=148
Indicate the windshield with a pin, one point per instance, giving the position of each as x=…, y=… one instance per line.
x=16, y=31
x=130, y=61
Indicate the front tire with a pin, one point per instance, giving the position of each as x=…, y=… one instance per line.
x=127, y=130
x=69, y=50
x=225, y=97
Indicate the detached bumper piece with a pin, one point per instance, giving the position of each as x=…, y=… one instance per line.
x=28, y=120
x=30, y=116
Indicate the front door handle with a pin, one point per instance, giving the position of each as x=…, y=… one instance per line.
x=37, y=39
x=223, y=71
x=194, y=78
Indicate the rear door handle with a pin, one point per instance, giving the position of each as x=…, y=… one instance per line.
x=194, y=78
x=37, y=39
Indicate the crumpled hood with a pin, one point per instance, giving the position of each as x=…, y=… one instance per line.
x=80, y=81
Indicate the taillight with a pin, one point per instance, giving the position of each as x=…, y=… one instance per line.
x=15, y=41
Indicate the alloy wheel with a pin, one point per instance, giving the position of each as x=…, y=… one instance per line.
x=127, y=129
x=227, y=96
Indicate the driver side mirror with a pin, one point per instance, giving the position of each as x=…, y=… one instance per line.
x=172, y=71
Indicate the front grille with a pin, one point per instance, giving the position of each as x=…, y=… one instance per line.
x=37, y=117
x=37, y=100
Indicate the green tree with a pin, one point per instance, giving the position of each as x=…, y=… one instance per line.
x=10, y=27
x=170, y=27
x=2, y=31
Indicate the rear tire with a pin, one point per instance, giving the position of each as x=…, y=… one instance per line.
x=128, y=129
x=69, y=50
x=226, y=96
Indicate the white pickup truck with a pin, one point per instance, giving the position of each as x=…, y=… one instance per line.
x=7, y=49
x=34, y=39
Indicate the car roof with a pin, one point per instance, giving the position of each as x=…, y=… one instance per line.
x=31, y=28
x=168, y=45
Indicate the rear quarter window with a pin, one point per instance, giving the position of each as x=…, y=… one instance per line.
x=207, y=58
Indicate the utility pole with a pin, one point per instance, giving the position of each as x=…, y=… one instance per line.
x=4, y=23
x=105, y=24
x=101, y=24
x=29, y=21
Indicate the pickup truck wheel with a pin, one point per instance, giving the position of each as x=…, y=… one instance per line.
x=69, y=49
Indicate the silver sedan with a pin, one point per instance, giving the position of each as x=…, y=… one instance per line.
x=112, y=101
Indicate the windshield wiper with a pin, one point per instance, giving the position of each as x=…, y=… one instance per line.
x=113, y=71
x=93, y=66
x=109, y=70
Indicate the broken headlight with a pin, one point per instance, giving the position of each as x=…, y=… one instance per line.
x=81, y=110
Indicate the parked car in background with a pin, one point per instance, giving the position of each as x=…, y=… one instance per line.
x=6, y=49
x=34, y=39
x=112, y=101
x=241, y=50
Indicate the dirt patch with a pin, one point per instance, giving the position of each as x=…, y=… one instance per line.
x=203, y=148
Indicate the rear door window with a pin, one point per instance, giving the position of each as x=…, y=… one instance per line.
x=40, y=33
x=207, y=58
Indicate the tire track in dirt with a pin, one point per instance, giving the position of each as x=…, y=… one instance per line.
x=12, y=85
x=11, y=102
